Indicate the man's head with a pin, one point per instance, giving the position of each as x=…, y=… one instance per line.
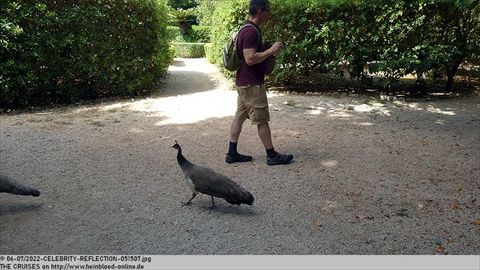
x=260, y=9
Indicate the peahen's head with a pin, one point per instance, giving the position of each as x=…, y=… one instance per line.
x=177, y=146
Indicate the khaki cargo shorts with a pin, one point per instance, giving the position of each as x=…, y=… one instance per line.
x=252, y=103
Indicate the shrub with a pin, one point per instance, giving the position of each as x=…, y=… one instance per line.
x=59, y=51
x=198, y=34
x=228, y=16
x=201, y=33
x=189, y=50
x=393, y=38
x=209, y=52
x=171, y=53
x=183, y=18
x=174, y=34
x=205, y=10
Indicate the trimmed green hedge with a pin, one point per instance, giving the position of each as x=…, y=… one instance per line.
x=209, y=52
x=389, y=38
x=174, y=34
x=189, y=50
x=63, y=51
x=199, y=34
x=227, y=18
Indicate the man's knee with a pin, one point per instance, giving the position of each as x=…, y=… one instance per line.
x=263, y=125
x=240, y=118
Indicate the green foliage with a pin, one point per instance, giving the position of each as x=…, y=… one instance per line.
x=171, y=53
x=189, y=50
x=182, y=4
x=209, y=52
x=177, y=16
x=59, y=51
x=362, y=37
x=183, y=18
x=201, y=33
x=198, y=34
x=227, y=18
x=174, y=34
x=205, y=10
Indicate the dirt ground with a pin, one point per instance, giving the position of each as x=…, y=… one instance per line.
x=369, y=177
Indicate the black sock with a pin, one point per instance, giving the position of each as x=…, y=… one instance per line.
x=232, y=149
x=271, y=153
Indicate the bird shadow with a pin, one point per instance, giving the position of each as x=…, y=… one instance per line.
x=232, y=210
x=19, y=208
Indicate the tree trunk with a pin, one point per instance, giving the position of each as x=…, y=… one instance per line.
x=451, y=70
x=185, y=28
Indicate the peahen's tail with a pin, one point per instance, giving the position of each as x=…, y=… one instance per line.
x=12, y=186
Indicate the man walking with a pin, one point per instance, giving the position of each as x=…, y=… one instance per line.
x=250, y=83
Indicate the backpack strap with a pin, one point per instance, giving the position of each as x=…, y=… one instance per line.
x=245, y=26
x=238, y=32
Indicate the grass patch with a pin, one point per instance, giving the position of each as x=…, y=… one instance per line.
x=62, y=123
x=96, y=123
x=290, y=103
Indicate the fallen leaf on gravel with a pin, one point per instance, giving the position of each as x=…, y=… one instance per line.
x=477, y=221
x=317, y=223
x=362, y=217
x=440, y=248
x=455, y=206
x=402, y=212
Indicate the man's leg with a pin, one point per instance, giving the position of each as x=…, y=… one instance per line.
x=273, y=157
x=235, y=130
x=265, y=135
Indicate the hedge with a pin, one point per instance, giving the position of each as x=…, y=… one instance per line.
x=227, y=18
x=391, y=38
x=189, y=50
x=63, y=51
x=209, y=52
x=174, y=34
x=199, y=34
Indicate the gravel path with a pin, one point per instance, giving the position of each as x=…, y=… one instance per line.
x=369, y=177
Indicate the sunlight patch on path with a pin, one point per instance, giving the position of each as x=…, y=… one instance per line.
x=342, y=109
x=184, y=109
x=192, y=108
x=193, y=64
x=428, y=108
x=188, y=108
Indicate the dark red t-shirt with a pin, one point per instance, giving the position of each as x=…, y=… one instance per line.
x=248, y=38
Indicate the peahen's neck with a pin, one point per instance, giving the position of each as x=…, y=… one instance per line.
x=182, y=161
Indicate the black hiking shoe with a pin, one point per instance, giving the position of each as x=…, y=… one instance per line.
x=279, y=159
x=237, y=158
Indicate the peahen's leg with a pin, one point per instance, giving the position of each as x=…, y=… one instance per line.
x=213, y=205
x=189, y=201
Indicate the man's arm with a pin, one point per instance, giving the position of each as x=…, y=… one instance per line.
x=252, y=57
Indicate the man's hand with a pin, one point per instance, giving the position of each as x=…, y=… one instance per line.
x=253, y=57
x=276, y=48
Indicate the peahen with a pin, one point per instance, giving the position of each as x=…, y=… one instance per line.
x=9, y=185
x=206, y=181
